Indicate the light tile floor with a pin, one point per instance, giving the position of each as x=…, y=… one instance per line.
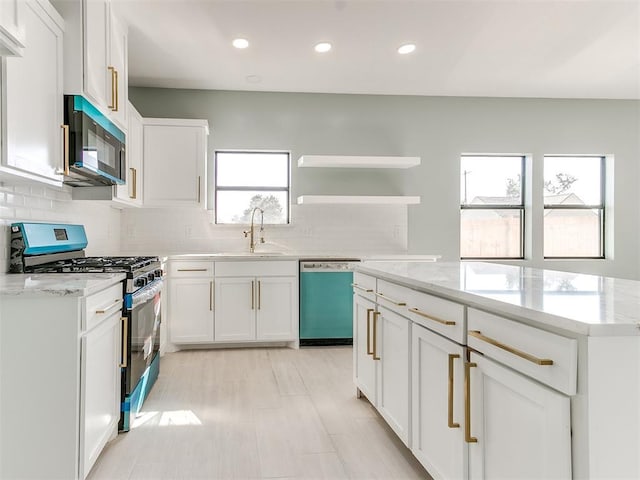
x=256, y=414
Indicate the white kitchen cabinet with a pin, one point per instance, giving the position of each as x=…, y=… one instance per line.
x=60, y=396
x=437, y=387
x=236, y=317
x=364, y=364
x=357, y=161
x=174, y=162
x=277, y=299
x=518, y=428
x=34, y=108
x=131, y=193
x=12, y=27
x=191, y=302
x=118, y=68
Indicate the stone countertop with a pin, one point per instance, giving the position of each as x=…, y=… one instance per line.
x=56, y=284
x=302, y=256
x=583, y=304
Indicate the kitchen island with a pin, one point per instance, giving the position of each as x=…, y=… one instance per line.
x=496, y=371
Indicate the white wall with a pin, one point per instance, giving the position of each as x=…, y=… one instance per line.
x=438, y=129
x=37, y=203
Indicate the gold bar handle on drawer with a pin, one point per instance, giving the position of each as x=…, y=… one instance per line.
x=65, y=149
x=527, y=356
x=192, y=269
x=467, y=403
x=430, y=317
x=374, y=353
x=358, y=287
x=125, y=334
x=112, y=105
x=369, y=312
x=395, y=302
x=134, y=183
x=252, y=295
x=450, y=422
x=211, y=295
x=101, y=311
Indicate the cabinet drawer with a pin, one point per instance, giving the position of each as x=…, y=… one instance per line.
x=255, y=269
x=192, y=268
x=392, y=296
x=102, y=305
x=364, y=285
x=545, y=356
x=439, y=315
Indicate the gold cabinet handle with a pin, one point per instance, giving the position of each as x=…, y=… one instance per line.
x=111, y=305
x=211, y=295
x=134, y=183
x=369, y=312
x=527, y=356
x=192, y=269
x=117, y=100
x=199, y=188
x=252, y=295
x=467, y=403
x=430, y=317
x=358, y=287
x=125, y=334
x=395, y=302
x=112, y=105
x=65, y=149
x=259, y=300
x=374, y=353
x=450, y=422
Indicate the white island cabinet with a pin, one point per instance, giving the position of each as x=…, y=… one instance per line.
x=60, y=357
x=527, y=379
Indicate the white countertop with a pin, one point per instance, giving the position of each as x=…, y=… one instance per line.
x=57, y=284
x=583, y=304
x=302, y=255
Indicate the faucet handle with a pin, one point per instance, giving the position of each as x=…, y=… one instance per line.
x=261, y=239
x=246, y=232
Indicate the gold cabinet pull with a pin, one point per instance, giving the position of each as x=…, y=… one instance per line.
x=192, y=269
x=111, y=305
x=134, y=183
x=467, y=403
x=430, y=317
x=395, y=302
x=374, y=353
x=65, y=149
x=125, y=334
x=358, y=287
x=116, y=102
x=112, y=105
x=211, y=295
x=259, y=300
x=199, y=187
x=450, y=422
x=527, y=356
x=369, y=312
x=252, y=295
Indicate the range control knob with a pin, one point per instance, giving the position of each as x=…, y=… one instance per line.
x=150, y=277
x=140, y=282
x=158, y=273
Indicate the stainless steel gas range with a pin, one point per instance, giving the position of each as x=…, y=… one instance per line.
x=59, y=248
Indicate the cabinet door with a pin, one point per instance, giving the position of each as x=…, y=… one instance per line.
x=364, y=370
x=34, y=107
x=235, y=309
x=437, y=404
x=174, y=158
x=523, y=428
x=191, y=310
x=392, y=333
x=12, y=31
x=131, y=192
x=100, y=389
x=97, y=77
x=277, y=308
x=118, y=71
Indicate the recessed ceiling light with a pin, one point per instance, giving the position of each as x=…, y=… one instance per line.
x=240, y=43
x=406, y=48
x=322, y=47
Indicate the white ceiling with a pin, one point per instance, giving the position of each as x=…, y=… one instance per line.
x=505, y=48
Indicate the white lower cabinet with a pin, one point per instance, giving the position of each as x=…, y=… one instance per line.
x=236, y=309
x=519, y=428
x=364, y=365
x=191, y=310
x=437, y=384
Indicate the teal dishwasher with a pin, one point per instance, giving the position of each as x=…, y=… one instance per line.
x=326, y=302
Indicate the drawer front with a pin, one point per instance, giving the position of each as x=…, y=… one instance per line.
x=256, y=269
x=438, y=315
x=102, y=305
x=364, y=285
x=392, y=296
x=192, y=268
x=547, y=357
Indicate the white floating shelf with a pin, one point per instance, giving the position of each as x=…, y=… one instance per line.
x=352, y=161
x=357, y=199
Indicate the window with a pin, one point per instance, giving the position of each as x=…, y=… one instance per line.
x=574, y=206
x=492, y=206
x=246, y=180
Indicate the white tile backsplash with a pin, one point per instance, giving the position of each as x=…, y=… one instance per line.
x=38, y=203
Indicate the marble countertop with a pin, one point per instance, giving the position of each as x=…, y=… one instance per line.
x=302, y=255
x=583, y=304
x=57, y=284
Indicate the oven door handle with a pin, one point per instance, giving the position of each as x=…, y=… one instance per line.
x=125, y=336
x=147, y=293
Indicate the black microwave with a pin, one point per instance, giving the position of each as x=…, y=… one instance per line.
x=94, y=148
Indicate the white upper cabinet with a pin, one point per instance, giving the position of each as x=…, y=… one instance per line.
x=131, y=192
x=12, y=27
x=95, y=56
x=357, y=161
x=34, y=109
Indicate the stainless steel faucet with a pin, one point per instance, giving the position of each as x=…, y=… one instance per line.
x=252, y=243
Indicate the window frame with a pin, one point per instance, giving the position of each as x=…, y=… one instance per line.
x=245, y=188
x=516, y=206
x=601, y=207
